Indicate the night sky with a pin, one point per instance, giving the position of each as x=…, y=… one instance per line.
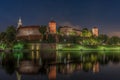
x=105, y=14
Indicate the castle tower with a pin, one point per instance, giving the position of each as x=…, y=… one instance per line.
x=19, y=23
x=52, y=27
x=95, y=31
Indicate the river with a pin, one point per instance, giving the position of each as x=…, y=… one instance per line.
x=60, y=65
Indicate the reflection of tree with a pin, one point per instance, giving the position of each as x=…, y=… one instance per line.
x=43, y=69
x=87, y=66
x=111, y=57
x=67, y=68
x=90, y=61
x=9, y=64
x=103, y=59
x=115, y=58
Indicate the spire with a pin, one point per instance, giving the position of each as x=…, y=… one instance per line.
x=19, y=23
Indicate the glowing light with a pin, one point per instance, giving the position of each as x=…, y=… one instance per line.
x=32, y=47
x=37, y=47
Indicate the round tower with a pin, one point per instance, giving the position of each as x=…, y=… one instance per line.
x=95, y=31
x=52, y=27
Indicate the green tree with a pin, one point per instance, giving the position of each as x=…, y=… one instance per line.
x=11, y=33
x=8, y=63
x=43, y=29
x=59, y=29
x=90, y=41
x=2, y=36
x=86, y=33
x=103, y=38
x=51, y=38
x=114, y=40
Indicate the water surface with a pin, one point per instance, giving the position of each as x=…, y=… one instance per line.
x=60, y=65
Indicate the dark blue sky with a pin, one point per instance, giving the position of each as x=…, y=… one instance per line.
x=84, y=13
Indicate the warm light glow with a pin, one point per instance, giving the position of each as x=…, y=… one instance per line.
x=95, y=31
x=32, y=47
x=37, y=46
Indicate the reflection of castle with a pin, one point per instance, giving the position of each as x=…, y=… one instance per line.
x=96, y=67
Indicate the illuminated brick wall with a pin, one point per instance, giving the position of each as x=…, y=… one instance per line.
x=29, y=33
x=52, y=27
x=95, y=31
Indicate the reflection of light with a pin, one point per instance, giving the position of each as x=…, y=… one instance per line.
x=32, y=54
x=18, y=76
x=37, y=47
x=52, y=73
x=32, y=47
x=68, y=56
x=59, y=46
x=37, y=54
x=96, y=67
x=64, y=40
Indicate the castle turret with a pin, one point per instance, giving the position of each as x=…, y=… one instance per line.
x=52, y=27
x=95, y=31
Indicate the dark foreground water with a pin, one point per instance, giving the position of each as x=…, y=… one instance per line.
x=60, y=65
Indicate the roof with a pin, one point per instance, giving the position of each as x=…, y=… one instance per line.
x=76, y=29
x=95, y=27
x=52, y=21
x=65, y=27
x=29, y=27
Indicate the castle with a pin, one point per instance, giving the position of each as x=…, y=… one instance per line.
x=33, y=33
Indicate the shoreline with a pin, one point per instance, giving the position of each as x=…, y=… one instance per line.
x=67, y=47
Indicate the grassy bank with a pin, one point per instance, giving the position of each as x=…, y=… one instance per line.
x=71, y=47
x=87, y=47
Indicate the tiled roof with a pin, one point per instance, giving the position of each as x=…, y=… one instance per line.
x=52, y=21
x=29, y=27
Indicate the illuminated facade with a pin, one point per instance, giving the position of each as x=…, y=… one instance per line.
x=52, y=27
x=66, y=30
x=77, y=32
x=95, y=31
x=28, y=33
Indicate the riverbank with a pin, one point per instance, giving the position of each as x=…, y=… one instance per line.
x=66, y=47
x=87, y=47
x=77, y=47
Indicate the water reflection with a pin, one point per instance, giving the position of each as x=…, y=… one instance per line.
x=51, y=63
